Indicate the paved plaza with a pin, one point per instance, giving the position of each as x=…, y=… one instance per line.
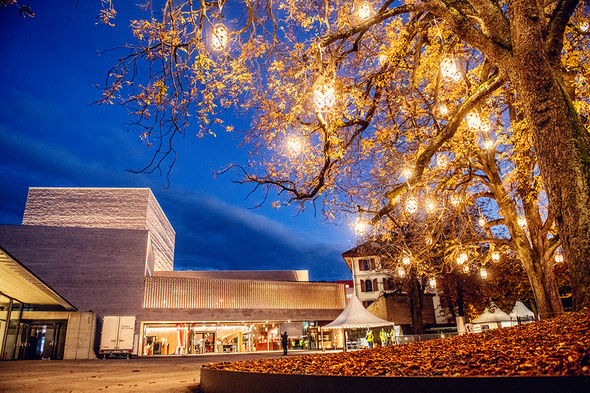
x=141, y=374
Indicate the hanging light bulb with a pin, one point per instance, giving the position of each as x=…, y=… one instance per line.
x=443, y=110
x=432, y=282
x=455, y=199
x=324, y=97
x=521, y=221
x=483, y=273
x=364, y=11
x=461, y=259
x=488, y=144
x=449, y=69
x=407, y=172
x=430, y=206
x=406, y=260
x=428, y=240
x=401, y=272
x=495, y=256
x=219, y=37
x=482, y=221
x=466, y=269
x=294, y=145
x=442, y=161
x=411, y=204
x=382, y=58
x=584, y=26
x=558, y=256
x=473, y=121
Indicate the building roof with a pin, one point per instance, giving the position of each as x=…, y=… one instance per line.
x=258, y=275
x=19, y=283
x=363, y=250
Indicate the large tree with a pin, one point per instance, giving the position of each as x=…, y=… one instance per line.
x=332, y=73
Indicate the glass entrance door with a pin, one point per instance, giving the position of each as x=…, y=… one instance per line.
x=41, y=341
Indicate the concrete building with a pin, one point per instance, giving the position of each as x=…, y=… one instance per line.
x=102, y=252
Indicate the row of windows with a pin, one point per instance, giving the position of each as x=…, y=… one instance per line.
x=373, y=285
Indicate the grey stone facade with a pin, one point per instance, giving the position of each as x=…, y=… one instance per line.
x=117, y=208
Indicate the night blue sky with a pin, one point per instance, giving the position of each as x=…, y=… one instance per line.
x=50, y=136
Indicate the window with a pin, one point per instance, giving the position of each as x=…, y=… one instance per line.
x=364, y=264
x=368, y=286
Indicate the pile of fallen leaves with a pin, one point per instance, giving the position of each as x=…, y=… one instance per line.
x=559, y=346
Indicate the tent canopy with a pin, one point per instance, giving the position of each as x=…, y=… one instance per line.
x=356, y=316
x=520, y=310
x=487, y=316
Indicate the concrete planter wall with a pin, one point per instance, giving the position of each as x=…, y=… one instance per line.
x=220, y=381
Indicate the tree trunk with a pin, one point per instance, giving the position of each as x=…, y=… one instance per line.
x=542, y=278
x=416, y=294
x=561, y=143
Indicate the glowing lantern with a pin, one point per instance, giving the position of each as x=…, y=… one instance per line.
x=449, y=69
x=411, y=204
x=401, y=272
x=455, y=200
x=324, y=97
x=382, y=58
x=443, y=110
x=461, y=259
x=483, y=273
x=219, y=37
x=482, y=221
x=294, y=145
x=521, y=221
x=406, y=260
x=360, y=228
x=558, y=257
x=442, y=161
x=488, y=144
x=584, y=26
x=407, y=172
x=495, y=256
x=428, y=240
x=466, y=269
x=432, y=282
x=473, y=121
x=364, y=10
x=430, y=206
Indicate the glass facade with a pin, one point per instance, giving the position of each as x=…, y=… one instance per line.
x=190, y=338
x=10, y=313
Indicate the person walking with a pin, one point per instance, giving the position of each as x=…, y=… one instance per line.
x=284, y=342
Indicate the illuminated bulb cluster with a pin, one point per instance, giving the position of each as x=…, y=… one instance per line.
x=461, y=259
x=449, y=69
x=219, y=37
x=521, y=221
x=411, y=204
x=324, y=97
x=558, y=257
x=495, y=256
x=483, y=272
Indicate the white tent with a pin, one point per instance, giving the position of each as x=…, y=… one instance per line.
x=522, y=313
x=356, y=316
x=487, y=316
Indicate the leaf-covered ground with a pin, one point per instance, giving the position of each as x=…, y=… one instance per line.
x=559, y=346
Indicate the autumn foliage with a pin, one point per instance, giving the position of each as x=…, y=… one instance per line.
x=559, y=346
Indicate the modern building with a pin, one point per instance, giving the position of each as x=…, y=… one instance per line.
x=96, y=252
